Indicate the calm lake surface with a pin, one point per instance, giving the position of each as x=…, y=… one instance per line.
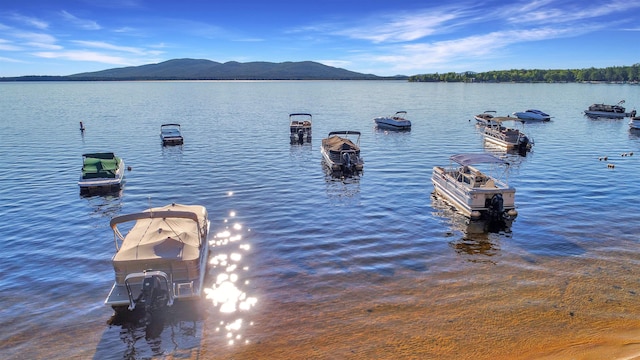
x=304, y=266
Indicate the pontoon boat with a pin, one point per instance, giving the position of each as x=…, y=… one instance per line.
x=341, y=154
x=300, y=128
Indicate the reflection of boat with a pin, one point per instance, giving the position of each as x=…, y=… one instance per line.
x=532, y=115
x=341, y=154
x=474, y=193
x=510, y=138
x=171, y=134
x=300, y=128
x=395, y=122
x=485, y=117
x=609, y=111
x=634, y=123
x=163, y=257
x=101, y=172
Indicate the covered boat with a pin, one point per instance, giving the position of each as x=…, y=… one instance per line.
x=395, y=122
x=532, y=115
x=476, y=194
x=300, y=127
x=171, y=134
x=496, y=133
x=163, y=257
x=608, y=111
x=341, y=154
x=102, y=171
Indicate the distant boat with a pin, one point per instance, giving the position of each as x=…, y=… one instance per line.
x=395, y=122
x=485, y=117
x=532, y=115
x=300, y=127
x=508, y=137
x=341, y=154
x=476, y=194
x=171, y=134
x=101, y=172
x=609, y=111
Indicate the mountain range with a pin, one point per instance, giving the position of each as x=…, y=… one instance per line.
x=199, y=69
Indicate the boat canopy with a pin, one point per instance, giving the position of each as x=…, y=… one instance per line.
x=170, y=232
x=476, y=158
x=163, y=125
x=299, y=114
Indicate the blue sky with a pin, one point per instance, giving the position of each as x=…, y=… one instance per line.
x=408, y=37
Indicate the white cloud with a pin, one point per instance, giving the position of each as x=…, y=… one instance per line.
x=80, y=55
x=82, y=23
x=30, y=21
x=107, y=46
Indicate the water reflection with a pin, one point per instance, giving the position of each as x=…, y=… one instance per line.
x=228, y=290
x=346, y=191
x=479, y=240
x=105, y=205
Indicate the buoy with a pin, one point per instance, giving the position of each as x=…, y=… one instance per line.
x=81, y=126
x=129, y=168
x=611, y=166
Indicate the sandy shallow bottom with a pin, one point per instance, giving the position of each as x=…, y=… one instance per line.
x=564, y=308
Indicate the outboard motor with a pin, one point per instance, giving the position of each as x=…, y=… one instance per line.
x=300, y=136
x=346, y=163
x=496, y=207
x=154, y=294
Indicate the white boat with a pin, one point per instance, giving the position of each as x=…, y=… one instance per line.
x=497, y=134
x=162, y=258
x=532, y=115
x=485, y=117
x=171, y=134
x=634, y=122
x=102, y=171
x=395, y=122
x=300, y=127
x=609, y=111
x=476, y=194
x=341, y=154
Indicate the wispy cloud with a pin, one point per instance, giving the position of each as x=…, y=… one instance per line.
x=90, y=56
x=30, y=21
x=107, y=46
x=81, y=23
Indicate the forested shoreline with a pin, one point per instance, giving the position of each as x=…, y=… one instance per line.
x=629, y=74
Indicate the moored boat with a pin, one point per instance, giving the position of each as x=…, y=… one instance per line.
x=609, y=111
x=162, y=258
x=341, y=154
x=634, y=122
x=171, y=134
x=101, y=172
x=300, y=127
x=476, y=194
x=484, y=118
x=398, y=121
x=508, y=137
x=532, y=115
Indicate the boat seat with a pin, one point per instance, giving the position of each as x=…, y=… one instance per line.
x=490, y=184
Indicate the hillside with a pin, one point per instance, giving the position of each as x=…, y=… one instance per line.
x=197, y=69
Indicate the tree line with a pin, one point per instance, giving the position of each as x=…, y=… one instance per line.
x=608, y=74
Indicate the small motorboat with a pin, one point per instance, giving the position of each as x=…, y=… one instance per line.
x=476, y=194
x=162, y=258
x=609, y=111
x=507, y=137
x=395, y=122
x=101, y=172
x=634, y=122
x=532, y=115
x=171, y=134
x=341, y=154
x=300, y=127
x=484, y=118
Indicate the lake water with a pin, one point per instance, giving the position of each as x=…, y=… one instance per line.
x=305, y=266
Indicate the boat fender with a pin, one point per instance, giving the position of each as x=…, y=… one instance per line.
x=512, y=213
x=476, y=215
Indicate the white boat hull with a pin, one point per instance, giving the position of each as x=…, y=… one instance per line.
x=472, y=199
x=634, y=123
x=98, y=184
x=391, y=124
